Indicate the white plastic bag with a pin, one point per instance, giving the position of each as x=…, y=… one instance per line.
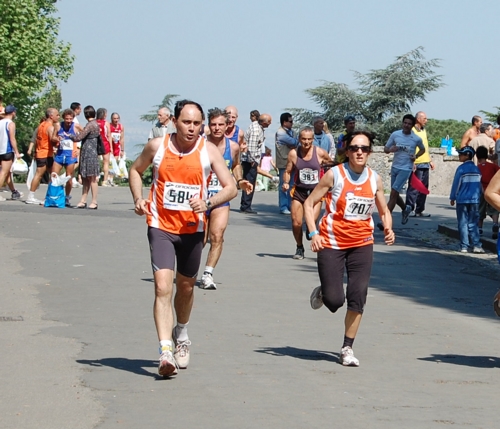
x=19, y=166
x=114, y=169
x=31, y=173
x=59, y=180
x=123, y=168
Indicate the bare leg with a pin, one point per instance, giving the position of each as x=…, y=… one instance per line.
x=297, y=217
x=105, y=167
x=162, y=308
x=352, y=321
x=94, y=188
x=40, y=171
x=184, y=297
x=85, y=190
x=5, y=172
x=70, y=169
x=218, y=223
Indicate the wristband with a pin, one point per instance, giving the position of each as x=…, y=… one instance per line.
x=238, y=181
x=313, y=233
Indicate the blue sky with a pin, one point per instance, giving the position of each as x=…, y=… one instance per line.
x=264, y=54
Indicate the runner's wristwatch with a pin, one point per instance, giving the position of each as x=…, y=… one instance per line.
x=208, y=203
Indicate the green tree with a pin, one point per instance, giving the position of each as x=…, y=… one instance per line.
x=32, y=59
x=383, y=96
x=438, y=129
x=490, y=116
x=168, y=101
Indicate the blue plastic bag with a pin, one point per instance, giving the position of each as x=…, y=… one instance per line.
x=447, y=144
x=55, y=197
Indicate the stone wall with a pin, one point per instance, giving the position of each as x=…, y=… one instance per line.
x=440, y=179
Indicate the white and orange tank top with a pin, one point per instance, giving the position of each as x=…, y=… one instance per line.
x=349, y=206
x=178, y=177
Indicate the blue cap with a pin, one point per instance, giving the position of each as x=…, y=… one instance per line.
x=467, y=150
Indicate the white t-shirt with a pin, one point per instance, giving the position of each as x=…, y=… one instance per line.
x=407, y=145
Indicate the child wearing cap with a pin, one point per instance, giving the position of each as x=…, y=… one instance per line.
x=466, y=191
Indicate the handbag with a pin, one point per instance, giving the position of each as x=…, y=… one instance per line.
x=101, y=150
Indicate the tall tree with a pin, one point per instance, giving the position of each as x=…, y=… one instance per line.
x=168, y=101
x=491, y=116
x=382, y=96
x=32, y=59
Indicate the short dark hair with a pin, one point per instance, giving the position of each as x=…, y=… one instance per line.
x=89, y=112
x=411, y=117
x=101, y=113
x=73, y=106
x=349, y=118
x=482, y=152
x=183, y=103
x=475, y=118
x=484, y=127
x=285, y=117
x=350, y=136
x=216, y=112
x=68, y=112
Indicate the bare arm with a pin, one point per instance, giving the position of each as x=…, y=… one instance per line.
x=384, y=213
x=228, y=191
x=492, y=192
x=238, y=170
x=314, y=198
x=135, y=175
x=122, y=141
x=292, y=159
x=465, y=139
x=13, y=141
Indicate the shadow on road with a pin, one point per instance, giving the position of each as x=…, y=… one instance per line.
x=473, y=361
x=299, y=353
x=135, y=366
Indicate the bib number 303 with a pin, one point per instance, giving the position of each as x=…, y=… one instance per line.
x=177, y=195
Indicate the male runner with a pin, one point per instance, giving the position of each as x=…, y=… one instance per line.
x=218, y=217
x=8, y=149
x=67, y=152
x=306, y=161
x=175, y=212
x=44, y=152
x=233, y=131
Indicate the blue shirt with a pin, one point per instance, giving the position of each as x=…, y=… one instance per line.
x=466, y=187
x=322, y=141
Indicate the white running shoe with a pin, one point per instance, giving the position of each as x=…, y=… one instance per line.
x=181, y=353
x=2, y=198
x=316, y=298
x=33, y=200
x=207, y=282
x=347, y=357
x=168, y=365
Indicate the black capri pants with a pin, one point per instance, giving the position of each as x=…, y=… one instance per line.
x=358, y=263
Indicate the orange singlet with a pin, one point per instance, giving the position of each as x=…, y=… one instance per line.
x=177, y=177
x=348, y=219
x=44, y=148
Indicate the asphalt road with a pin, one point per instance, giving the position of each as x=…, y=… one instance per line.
x=79, y=348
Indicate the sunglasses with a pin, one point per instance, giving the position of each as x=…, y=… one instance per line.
x=354, y=148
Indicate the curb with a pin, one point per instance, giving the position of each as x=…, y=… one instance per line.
x=488, y=243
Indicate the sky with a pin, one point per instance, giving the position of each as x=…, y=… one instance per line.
x=264, y=54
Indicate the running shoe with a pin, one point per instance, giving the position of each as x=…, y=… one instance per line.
x=464, y=251
x=478, y=250
x=347, y=357
x=299, y=253
x=168, y=365
x=405, y=214
x=2, y=198
x=181, y=353
x=33, y=200
x=380, y=226
x=307, y=234
x=16, y=195
x=207, y=282
x=316, y=299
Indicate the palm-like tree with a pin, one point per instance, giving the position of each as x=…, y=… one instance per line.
x=168, y=101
